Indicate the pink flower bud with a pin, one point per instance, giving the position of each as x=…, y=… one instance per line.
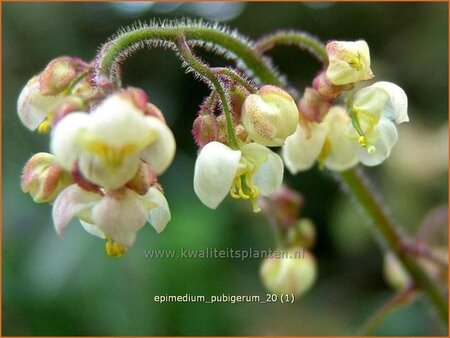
x=313, y=106
x=326, y=88
x=285, y=205
x=59, y=74
x=205, y=130
x=43, y=179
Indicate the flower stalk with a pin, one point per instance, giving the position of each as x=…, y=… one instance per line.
x=393, y=239
x=209, y=75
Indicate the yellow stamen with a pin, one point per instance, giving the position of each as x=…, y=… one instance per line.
x=355, y=62
x=44, y=127
x=114, y=249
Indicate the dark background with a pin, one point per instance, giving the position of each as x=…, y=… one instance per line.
x=70, y=287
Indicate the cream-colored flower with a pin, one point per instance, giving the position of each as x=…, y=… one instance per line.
x=349, y=62
x=244, y=173
x=269, y=116
x=116, y=215
x=324, y=141
x=374, y=111
x=108, y=143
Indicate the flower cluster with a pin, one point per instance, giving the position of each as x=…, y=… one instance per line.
x=247, y=169
x=340, y=136
x=106, y=153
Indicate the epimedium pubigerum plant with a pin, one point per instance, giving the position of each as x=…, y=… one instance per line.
x=109, y=143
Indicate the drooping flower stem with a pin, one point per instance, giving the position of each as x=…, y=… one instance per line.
x=209, y=75
x=392, y=239
x=114, y=51
x=293, y=38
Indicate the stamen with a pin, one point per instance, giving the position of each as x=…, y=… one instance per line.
x=44, y=127
x=114, y=249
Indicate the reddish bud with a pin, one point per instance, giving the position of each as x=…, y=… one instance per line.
x=327, y=89
x=59, y=74
x=43, y=179
x=205, y=129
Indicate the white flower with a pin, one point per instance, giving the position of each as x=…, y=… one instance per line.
x=108, y=143
x=326, y=142
x=33, y=107
x=349, y=62
x=375, y=110
x=117, y=215
x=244, y=173
x=269, y=116
x=382, y=99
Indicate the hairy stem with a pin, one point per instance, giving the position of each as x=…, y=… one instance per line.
x=235, y=77
x=205, y=72
x=293, y=38
x=393, y=240
x=112, y=52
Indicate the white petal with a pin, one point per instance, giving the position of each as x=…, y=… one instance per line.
x=383, y=137
x=63, y=141
x=117, y=122
x=371, y=103
x=299, y=152
x=72, y=202
x=215, y=169
x=159, y=215
x=342, y=151
x=159, y=154
x=93, y=229
x=120, y=216
x=397, y=108
x=270, y=175
x=33, y=107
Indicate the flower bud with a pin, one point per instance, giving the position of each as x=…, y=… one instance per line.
x=43, y=179
x=303, y=234
x=59, y=74
x=205, y=129
x=269, y=116
x=313, y=106
x=145, y=178
x=326, y=88
x=349, y=62
x=284, y=204
x=294, y=273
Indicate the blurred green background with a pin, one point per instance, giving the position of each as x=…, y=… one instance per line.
x=70, y=287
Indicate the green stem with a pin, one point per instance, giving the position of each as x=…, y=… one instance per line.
x=115, y=49
x=209, y=75
x=393, y=240
x=300, y=39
